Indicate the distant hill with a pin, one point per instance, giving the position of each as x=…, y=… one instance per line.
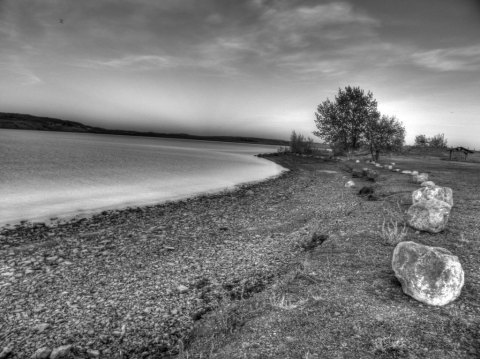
x=28, y=122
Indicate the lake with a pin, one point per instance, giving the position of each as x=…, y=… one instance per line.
x=60, y=174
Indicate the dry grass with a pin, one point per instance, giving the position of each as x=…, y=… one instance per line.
x=342, y=299
x=392, y=233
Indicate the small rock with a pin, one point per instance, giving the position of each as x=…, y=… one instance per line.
x=42, y=353
x=372, y=174
x=414, y=173
x=6, y=352
x=419, y=178
x=357, y=173
x=40, y=328
x=182, y=289
x=249, y=193
x=350, y=184
x=431, y=275
x=61, y=352
x=366, y=190
x=357, y=161
x=407, y=172
x=93, y=353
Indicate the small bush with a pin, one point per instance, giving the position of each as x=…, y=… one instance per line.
x=300, y=144
x=391, y=233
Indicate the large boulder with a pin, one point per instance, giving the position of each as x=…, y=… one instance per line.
x=431, y=275
x=429, y=215
x=444, y=194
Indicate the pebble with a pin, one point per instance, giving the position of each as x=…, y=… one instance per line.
x=182, y=289
x=93, y=353
x=5, y=352
x=40, y=328
x=42, y=353
x=61, y=352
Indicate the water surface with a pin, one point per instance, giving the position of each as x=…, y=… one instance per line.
x=58, y=174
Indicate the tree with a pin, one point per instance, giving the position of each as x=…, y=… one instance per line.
x=300, y=144
x=352, y=121
x=421, y=140
x=438, y=141
x=384, y=133
x=343, y=121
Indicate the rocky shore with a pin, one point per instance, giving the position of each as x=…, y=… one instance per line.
x=132, y=283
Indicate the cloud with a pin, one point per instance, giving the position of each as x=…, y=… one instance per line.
x=451, y=59
x=14, y=72
x=133, y=62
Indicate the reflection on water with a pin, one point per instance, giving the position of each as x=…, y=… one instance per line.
x=51, y=174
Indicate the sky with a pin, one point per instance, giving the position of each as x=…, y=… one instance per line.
x=251, y=68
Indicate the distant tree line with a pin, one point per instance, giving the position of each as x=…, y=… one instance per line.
x=352, y=121
x=437, y=141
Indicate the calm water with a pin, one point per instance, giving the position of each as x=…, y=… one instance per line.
x=54, y=174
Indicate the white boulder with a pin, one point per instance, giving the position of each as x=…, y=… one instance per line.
x=407, y=172
x=444, y=194
x=428, y=184
x=431, y=275
x=419, y=178
x=429, y=215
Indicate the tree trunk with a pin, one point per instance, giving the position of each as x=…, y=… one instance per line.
x=377, y=155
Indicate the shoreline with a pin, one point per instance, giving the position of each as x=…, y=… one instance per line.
x=234, y=273
x=76, y=215
x=186, y=254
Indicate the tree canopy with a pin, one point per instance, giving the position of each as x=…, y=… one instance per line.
x=353, y=121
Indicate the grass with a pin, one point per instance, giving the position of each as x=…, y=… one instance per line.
x=342, y=300
x=392, y=233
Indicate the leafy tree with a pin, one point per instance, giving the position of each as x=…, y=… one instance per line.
x=300, y=144
x=438, y=141
x=421, y=140
x=342, y=122
x=352, y=121
x=384, y=133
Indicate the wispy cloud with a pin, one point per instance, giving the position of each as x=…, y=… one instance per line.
x=133, y=62
x=14, y=71
x=451, y=59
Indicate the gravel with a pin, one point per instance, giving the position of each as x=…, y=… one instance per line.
x=131, y=283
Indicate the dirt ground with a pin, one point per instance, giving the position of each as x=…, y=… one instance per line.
x=341, y=299
x=236, y=275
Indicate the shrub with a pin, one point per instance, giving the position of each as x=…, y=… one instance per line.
x=391, y=232
x=300, y=144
